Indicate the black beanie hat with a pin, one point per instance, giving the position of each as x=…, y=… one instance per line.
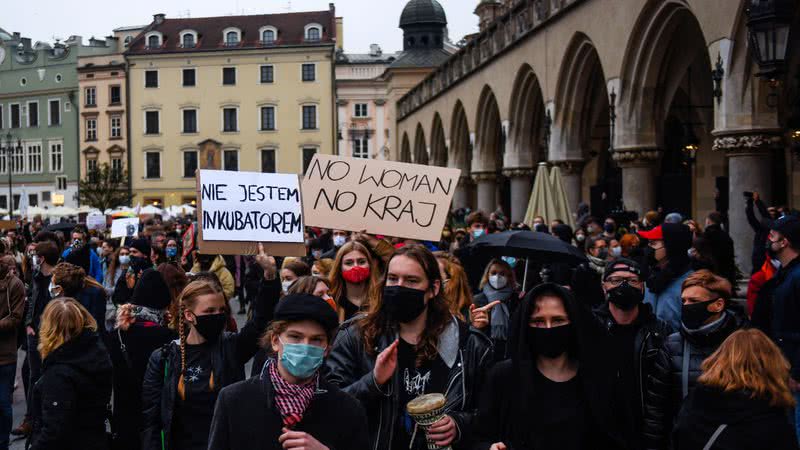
x=151, y=291
x=296, y=307
x=141, y=244
x=80, y=257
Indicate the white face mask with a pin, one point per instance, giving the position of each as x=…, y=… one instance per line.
x=124, y=259
x=616, y=251
x=55, y=291
x=36, y=261
x=498, y=282
x=285, y=285
x=339, y=241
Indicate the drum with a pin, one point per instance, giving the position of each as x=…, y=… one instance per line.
x=426, y=410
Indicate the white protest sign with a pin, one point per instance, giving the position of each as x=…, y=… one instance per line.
x=250, y=207
x=126, y=228
x=96, y=222
x=382, y=197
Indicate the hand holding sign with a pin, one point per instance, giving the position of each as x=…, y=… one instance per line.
x=479, y=317
x=267, y=263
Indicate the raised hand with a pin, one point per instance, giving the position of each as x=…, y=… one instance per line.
x=386, y=364
x=267, y=263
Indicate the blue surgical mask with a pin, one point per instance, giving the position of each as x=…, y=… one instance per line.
x=302, y=360
x=172, y=252
x=477, y=233
x=339, y=241
x=99, y=251
x=124, y=260
x=510, y=260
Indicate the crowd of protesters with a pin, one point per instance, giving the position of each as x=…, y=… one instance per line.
x=133, y=343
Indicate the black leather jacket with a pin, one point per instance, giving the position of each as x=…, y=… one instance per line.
x=467, y=352
x=677, y=367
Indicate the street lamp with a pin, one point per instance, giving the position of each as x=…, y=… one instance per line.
x=768, y=26
x=690, y=144
x=9, y=154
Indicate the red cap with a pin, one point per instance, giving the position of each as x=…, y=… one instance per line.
x=653, y=235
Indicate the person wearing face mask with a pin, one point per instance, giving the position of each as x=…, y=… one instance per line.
x=172, y=250
x=79, y=245
x=635, y=337
x=610, y=229
x=123, y=291
x=597, y=253
x=354, y=275
x=669, y=263
x=72, y=281
x=474, y=263
x=760, y=226
x=184, y=378
x=12, y=291
x=291, y=270
x=339, y=238
x=706, y=321
x=290, y=405
x=555, y=390
x=118, y=262
x=580, y=237
x=409, y=344
x=498, y=287
x=216, y=265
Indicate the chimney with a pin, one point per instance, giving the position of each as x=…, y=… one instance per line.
x=158, y=19
x=375, y=50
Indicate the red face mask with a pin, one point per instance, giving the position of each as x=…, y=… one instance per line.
x=357, y=274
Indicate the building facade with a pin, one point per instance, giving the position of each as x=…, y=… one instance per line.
x=633, y=124
x=261, y=87
x=39, y=111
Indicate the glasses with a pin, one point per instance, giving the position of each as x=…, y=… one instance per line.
x=617, y=281
x=653, y=246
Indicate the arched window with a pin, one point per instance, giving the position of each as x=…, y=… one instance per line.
x=188, y=40
x=268, y=37
x=153, y=41
x=313, y=34
x=128, y=40
x=231, y=38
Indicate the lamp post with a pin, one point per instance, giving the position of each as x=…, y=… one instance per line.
x=768, y=24
x=9, y=153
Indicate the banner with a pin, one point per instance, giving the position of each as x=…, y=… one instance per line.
x=382, y=197
x=96, y=222
x=125, y=228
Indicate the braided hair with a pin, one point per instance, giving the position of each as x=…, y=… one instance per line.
x=187, y=300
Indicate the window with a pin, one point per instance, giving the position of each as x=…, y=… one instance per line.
x=309, y=72
x=267, y=74
x=361, y=147
x=116, y=127
x=151, y=78
x=361, y=110
x=153, y=42
x=189, y=78
x=1, y=116
x=151, y=125
x=267, y=118
x=229, y=120
x=3, y=202
x=45, y=196
x=91, y=170
x=18, y=160
x=152, y=165
x=115, y=95
x=231, y=38
x=268, y=37
x=90, y=96
x=55, y=112
x=128, y=40
x=268, y=160
x=190, y=121
x=3, y=167
x=16, y=201
x=308, y=155
x=229, y=76
x=313, y=34
x=116, y=168
x=230, y=160
x=15, y=116
x=189, y=163
x=91, y=129
x=310, y=117
x=61, y=183
x=34, y=157
x=33, y=114
x=188, y=40
x=33, y=200
x=56, y=157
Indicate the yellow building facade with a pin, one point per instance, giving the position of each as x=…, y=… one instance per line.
x=260, y=86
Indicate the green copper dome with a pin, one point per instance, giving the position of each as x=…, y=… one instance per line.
x=423, y=12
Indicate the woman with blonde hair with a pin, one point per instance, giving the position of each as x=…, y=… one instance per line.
x=741, y=400
x=354, y=277
x=71, y=397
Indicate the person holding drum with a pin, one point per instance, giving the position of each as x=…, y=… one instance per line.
x=555, y=391
x=409, y=344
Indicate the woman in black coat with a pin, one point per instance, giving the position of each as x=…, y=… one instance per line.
x=71, y=398
x=741, y=400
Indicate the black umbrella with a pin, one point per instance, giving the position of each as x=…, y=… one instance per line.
x=64, y=227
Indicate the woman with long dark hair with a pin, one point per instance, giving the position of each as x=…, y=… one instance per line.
x=354, y=278
x=407, y=345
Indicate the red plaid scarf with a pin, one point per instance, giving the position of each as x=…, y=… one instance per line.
x=291, y=399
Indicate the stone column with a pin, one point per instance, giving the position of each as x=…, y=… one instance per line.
x=638, y=177
x=487, y=190
x=572, y=174
x=462, y=197
x=748, y=155
x=521, y=185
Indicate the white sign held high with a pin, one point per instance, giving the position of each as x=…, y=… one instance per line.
x=250, y=207
x=125, y=228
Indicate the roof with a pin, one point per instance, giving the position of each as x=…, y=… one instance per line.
x=423, y=11
x=366, y=58
x=130, y=28
x=5, y=35
x=432, y=57
x=291, y=31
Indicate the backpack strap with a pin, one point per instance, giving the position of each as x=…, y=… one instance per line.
x=685, y=368
x=715, y=436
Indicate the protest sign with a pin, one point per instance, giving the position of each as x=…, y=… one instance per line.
x=381, y=197
x=96, y=222
x=237, y=210
x=6, y=225
x=125, y=228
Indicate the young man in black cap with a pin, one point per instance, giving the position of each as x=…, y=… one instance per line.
x=777, y=311
x=635, y=334
x=290, y=405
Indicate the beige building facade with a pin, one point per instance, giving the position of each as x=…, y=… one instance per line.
x=262, y=87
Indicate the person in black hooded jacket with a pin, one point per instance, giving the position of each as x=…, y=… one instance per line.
x=706, y=322
x=741, y=400
x=71, y=398
x=555, y=390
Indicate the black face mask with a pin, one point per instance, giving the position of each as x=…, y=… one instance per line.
x=625, y=296
x=609, y=228
x=650, y=254
x=210, y=326
x=403, y=304
x=695, y=315
x=550, y=342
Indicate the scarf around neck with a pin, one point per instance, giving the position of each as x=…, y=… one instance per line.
x=145, y=314
x=292, y=400
x=500, y=314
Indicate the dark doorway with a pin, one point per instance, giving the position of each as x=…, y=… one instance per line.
x=675, y=178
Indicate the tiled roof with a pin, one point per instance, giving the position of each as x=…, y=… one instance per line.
x=291, y=29
x=432, y=57
x=366, y=58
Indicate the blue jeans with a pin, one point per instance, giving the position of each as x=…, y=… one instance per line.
x=7, y=374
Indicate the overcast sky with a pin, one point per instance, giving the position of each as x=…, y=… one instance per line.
x=365, y=21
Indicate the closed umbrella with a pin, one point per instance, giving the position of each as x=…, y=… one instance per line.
x=541, y=202
x=562, y=206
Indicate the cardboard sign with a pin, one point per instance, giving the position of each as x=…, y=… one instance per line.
x=382, y=197
x=6, y=225
x=125, y=228
x=96, y=222
x=237, y=210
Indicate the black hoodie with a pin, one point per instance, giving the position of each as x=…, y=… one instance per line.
x=750, y=423
x=678, y=241
x=70, y=400
x=507, y=408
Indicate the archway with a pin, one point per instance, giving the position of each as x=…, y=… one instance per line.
x=405, y=149
x=461, y=157
x=438, y=144
x=420, y=147
x=488, y=154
